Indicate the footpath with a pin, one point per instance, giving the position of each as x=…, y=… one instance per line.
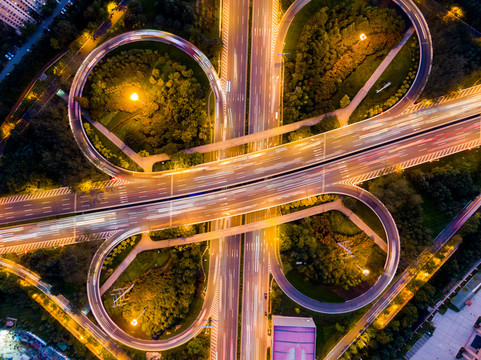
x=146, y=243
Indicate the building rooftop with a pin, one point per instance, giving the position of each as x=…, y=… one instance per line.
x=294, y=338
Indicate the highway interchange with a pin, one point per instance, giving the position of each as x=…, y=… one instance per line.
x=244, y=184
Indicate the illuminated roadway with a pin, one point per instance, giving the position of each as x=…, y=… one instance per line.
x=98, y=53
x=253, y=166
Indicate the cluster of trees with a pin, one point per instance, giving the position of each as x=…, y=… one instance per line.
x=174, y=115
x=455, y=53
x=468, y=10
x=328, y=51
x=178, y=231
x=312, y=241
x=17, y=302
x=64, y=29
x=307, y=202
x=405, y=205
x=180, y=160
x=115, y=256
x=450, y=185
x=196, y=349
x=64, y=268
x=193, y=20
x=167, y=294
x=388, y=343
x=111, y=156
x=45, y=153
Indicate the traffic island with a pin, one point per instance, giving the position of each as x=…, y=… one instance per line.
x=146, y=103
x=329, y=258
x=160, y=293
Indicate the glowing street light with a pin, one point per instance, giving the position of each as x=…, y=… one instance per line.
x=363, y=37
x=135, y=97
x=135, y=321
x=365, y=272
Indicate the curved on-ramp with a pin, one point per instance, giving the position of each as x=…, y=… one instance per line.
x=113, y=330
x=74, y=111
x=390, y=267
x=109, y=326
x=425, y=44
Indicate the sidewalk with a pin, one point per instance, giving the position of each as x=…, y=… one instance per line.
x=146, y=163
x=344, y=113
x=146, y=243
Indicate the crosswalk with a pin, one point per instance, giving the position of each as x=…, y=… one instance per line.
x=24, y=248
x=214, y=313
x=465, y=92
x=56, y=192
x=413, y=162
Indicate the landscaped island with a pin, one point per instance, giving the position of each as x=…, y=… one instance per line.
x=166, y=296
x=328, y=258
x=153, y=101
x=327, y=60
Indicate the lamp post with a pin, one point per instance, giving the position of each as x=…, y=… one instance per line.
x=135, y=97
x=134, y=322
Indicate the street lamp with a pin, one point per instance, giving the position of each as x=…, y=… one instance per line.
x=135, y=97
x=363, y=37
x=134, y=322
x=365, y=272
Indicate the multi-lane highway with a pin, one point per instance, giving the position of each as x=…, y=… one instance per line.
x=254, y=196
x=247, y=183
x=255, y=166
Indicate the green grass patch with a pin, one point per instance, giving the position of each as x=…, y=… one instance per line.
x=109, y=145
x=143, y=261
x=396, y=73
x=433, y=218
x=370, y=219
x=359, y=77
x=316, y=292
x=341, y=224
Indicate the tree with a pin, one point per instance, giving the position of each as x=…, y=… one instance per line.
x=82, y=101
x=345, y=101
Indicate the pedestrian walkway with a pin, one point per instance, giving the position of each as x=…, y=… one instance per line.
x=146, y=243
x=344, y=113
x=419, y=344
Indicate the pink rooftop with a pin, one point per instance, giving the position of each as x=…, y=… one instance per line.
x=294, y=338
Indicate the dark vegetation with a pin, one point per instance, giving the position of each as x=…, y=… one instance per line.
x=196, y=349
x=171, y=113
x=167, y=292
x=329, y=328
x=311, y=248
x=194, y=20
x=65, y=268
x=44, y=154
x=456, y=53
x=85, y=15
x=327, y=51
x=389, y=343
x=450, y=183
x=15, y=301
